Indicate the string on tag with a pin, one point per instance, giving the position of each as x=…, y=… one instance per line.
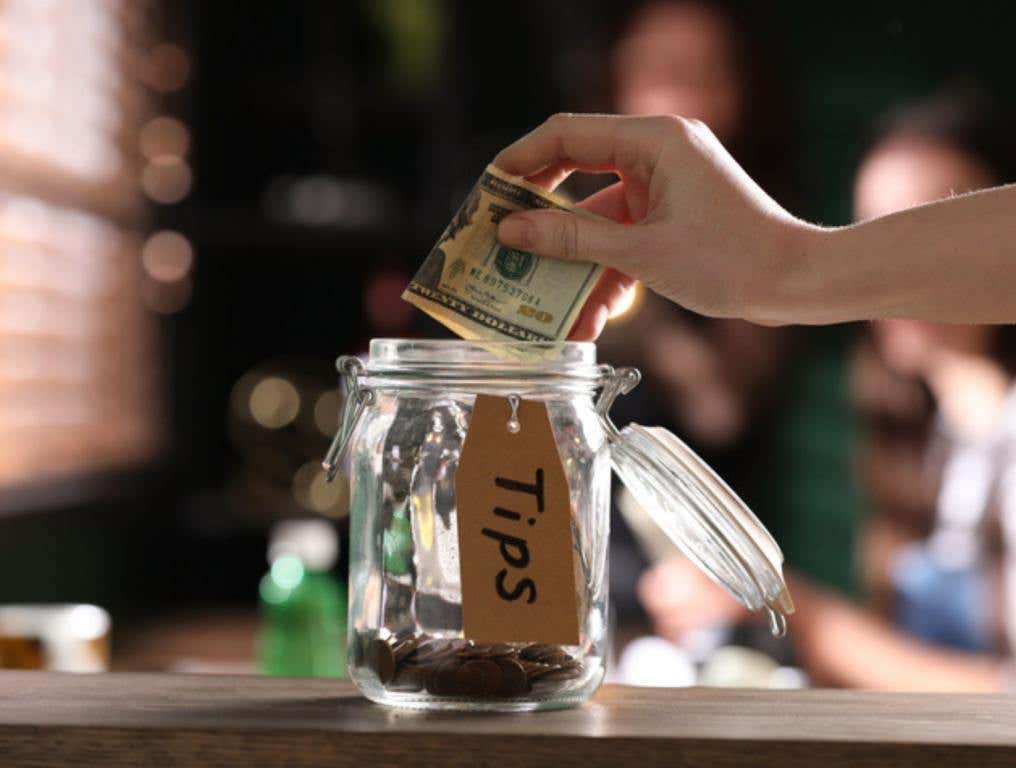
x=514, y=425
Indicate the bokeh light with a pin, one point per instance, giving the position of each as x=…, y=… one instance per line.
x=166, y=179
x=326, y=412
x=287, y=571
x=327, y=497
x=164, y=137
x=313, y=492
x=274, y=402
x=167, y=256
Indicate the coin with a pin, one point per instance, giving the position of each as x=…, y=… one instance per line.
x=537, y=651
x=499, y=650
x=557, y=657
x=441, y=681
x=514, y=681
x=432, y=649
x=487, y=651
x=405, y=647
x=408, y=679
x=562, y=673
x=539, y=670
x=480, y=677
x=381, y=659
x=453, y=666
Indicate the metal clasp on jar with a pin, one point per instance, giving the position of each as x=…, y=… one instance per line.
x=617, y=381
x=357, y=400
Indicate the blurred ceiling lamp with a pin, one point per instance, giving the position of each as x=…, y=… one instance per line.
x=626, y=303
x=169, y=67
x=166, y=179
x=328, y=201
x=167, y=256
x=164, y=136
x=274, y=402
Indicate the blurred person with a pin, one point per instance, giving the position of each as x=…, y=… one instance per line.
x=704, y=376
x=722, y=383
x=938, y=459
x=697, y=58
x=682, y=57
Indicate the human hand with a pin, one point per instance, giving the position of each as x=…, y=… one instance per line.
x=687, y=220
x=678, y=597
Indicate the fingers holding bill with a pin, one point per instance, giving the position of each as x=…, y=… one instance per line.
x=610, y=203
x=610, y=293
x=587, y=142
x=553, y=176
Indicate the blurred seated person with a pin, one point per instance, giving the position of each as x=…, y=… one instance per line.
x=712, y=380
x=938, y=460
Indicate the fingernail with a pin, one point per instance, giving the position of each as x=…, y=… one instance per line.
x=515, y=231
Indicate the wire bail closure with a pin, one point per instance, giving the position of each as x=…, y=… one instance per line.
x=619, y=381
x=357, y=400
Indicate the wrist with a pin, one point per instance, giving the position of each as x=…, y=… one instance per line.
x=788, y=288
x=841, y=274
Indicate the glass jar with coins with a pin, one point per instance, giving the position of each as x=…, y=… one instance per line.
x=479, y=476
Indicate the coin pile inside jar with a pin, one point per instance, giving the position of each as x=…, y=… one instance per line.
x=457, y=667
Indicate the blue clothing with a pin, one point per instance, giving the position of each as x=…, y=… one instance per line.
x=942, y=604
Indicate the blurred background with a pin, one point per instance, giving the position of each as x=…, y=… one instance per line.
x=203, y=204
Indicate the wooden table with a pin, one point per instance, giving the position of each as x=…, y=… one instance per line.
x=49, y=719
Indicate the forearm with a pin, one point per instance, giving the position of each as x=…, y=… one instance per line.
x=949, y=261
x=841, y=644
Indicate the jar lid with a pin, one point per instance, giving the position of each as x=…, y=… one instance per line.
x=705, y=518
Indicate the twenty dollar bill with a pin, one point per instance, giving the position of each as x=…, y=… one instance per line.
x=481, y=289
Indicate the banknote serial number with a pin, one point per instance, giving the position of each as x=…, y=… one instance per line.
x=529, y=305
x=507, y=287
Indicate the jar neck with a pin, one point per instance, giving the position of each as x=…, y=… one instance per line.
x=362, y=385
x=437, y=365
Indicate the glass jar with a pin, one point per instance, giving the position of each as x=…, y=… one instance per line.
x=406, y=417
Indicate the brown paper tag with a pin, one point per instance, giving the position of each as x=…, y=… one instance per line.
x=516, y=550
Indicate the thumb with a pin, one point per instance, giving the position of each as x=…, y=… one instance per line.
x=578, y=236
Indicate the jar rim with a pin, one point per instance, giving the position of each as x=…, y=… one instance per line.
x=458, y=356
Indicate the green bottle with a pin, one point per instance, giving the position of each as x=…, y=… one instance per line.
x=303, y=605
